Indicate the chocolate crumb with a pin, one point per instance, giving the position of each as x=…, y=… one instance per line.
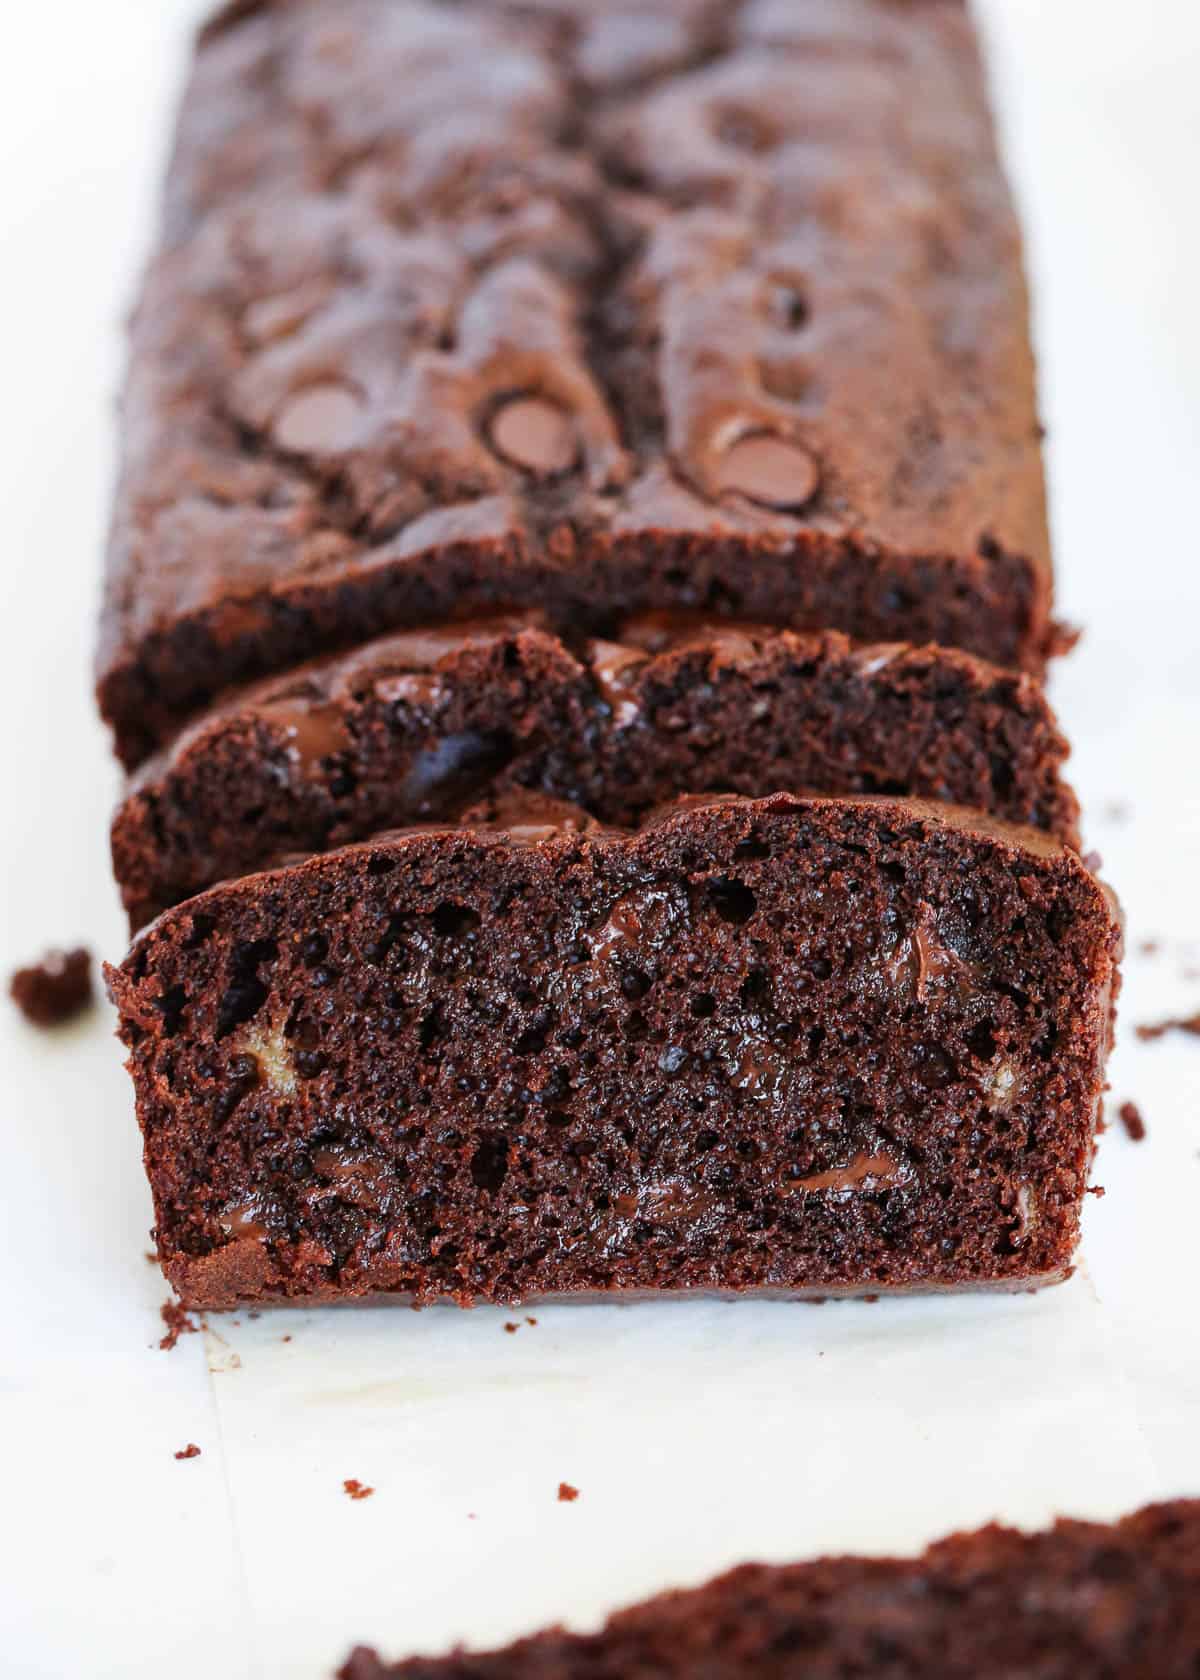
x=531, y=1321
x=1096, y=1190
x=54, y=989
x=566, y=1493
x=1173, y=1023
x=285, y=1338
x=149, y=1256
x=1062, y=637
x=1131, y=1119
x=512, y=1328
x=178, y=1324
x=190, y=1451
x=357, y=1489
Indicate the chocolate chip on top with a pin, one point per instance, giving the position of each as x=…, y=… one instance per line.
x=320, y=420
x=535, y=435
x=769, y=470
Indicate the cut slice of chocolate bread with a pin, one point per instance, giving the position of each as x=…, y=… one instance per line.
x=412, y=727
x=1104, y=1601
x=612, y=344
x=781, y=1045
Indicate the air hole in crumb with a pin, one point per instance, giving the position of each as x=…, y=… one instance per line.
x=202, y=930
x=790, y=306
x=314, y=950
x=380, y=864
x=240, y=1002
x=171, y=1006
x=454, y=921
x=245, y=960
x=981, y=1040
x=431, y=1029
x=533, y=1040
x=732, y=900
x=932, y=1066
x=719, y=595
x=750, y=851
x=703, y=1005
x=755, y=990
x=489, y=1164
x=1002, y=777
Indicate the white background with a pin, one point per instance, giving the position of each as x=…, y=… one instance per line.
x=699, y=1435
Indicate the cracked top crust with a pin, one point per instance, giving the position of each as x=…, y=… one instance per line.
x=590, y=306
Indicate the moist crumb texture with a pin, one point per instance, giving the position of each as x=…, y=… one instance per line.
x=414, y=726
x=778, y=1045
x=1112, y=1602
x=55, y=989
x=612, y=344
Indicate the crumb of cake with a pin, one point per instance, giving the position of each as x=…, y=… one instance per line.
x=285, y=1338
x=1096, y=1190
x=512, y=1328
x=357, y=1489
x=1062, y=637
x=177, y=1322
x=190, y=1451
x=531, y=1321
x=1149, y=947
x=1173, y=1023
x=1131, y=1118
x=56, y=988
x=566, y=1493
x=149, y=1256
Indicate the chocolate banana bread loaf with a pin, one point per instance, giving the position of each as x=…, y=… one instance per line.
x=586, y=307
x=1116, y=1601
x=415, y=726
x=784, y=1045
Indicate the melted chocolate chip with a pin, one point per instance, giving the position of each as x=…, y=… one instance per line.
x=243, y=1220
x=315, y=730
x=448, y=771
x=769, y=470
x=614, y=669
x=534, y=435
x=879, y=1171
x=321, y=420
